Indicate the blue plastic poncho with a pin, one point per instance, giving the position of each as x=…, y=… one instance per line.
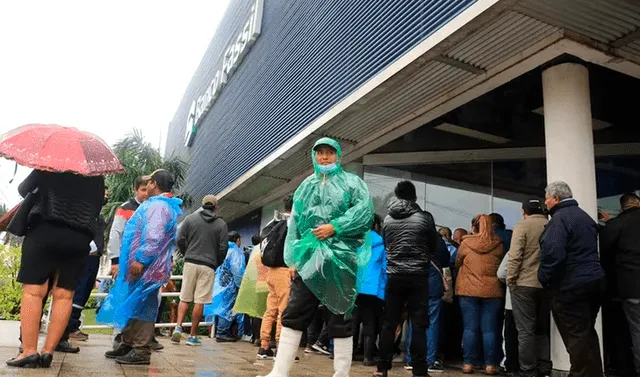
x=149, y=238
x=227, y=283
x=329, y=267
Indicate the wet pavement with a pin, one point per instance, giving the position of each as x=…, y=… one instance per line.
x=210, y=360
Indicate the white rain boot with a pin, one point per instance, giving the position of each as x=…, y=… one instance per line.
x=342, y=356
x=287, y=350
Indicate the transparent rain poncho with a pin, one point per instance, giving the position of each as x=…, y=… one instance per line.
x=329, y=268
x=252, y=297
x=149, y=238
x=227, y=283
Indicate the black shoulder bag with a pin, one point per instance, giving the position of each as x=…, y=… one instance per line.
x=20, y=222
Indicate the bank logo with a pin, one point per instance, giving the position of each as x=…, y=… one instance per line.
x=234, y=53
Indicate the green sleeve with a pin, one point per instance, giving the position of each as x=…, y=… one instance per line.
x=358, y=218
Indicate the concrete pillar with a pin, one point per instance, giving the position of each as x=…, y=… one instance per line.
x=569, y=151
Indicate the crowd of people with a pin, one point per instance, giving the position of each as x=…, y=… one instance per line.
x=329, y=276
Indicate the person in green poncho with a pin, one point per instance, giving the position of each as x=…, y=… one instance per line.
x=332, y=213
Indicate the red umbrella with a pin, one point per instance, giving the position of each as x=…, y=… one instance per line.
x=59, y=149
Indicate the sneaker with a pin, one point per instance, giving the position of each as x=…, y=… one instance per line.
x=119, y=352
x=246, y=338
x=296, y=360
x=265, y=354
x=155, y=345
x=408, y=366
x=177, y=335
x=321, y=349
x=79, y=336
x=133, y=358
x=436, y=367
x=306, y=350
x=193, y=341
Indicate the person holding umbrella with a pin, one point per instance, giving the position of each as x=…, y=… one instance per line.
x=63, y=197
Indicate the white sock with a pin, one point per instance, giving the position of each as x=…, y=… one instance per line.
x=342, y=356
x=287, y=350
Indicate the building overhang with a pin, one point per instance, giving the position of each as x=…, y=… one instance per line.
x=489, y=44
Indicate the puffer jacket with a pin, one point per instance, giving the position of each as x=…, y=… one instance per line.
x=478, y=261
x=410, y=238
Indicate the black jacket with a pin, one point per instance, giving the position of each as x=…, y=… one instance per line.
x=203, y=238
x=65, y=198
x=569, y=248
x=410, y=238
x=620, y=254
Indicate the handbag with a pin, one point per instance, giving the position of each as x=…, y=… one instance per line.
x=447, y=283
x=20, y=222
x=6, y=218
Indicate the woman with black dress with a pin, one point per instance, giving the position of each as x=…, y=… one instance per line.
x=61, y=225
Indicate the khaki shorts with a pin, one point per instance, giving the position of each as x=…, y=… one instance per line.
x=197, y=283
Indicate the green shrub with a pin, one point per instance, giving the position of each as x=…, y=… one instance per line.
x=10, y=289
x=91, y=302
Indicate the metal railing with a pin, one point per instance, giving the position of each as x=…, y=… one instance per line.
x=157, y=325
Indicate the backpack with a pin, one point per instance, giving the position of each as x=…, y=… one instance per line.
x=272, y=246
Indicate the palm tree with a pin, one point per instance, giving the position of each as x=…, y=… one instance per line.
x=139, y=158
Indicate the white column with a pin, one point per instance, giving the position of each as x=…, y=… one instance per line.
x=569, y=150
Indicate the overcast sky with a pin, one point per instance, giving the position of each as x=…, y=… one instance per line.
x=104, y=67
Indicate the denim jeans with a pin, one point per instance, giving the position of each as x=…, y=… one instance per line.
x=432, y=333
x=480, y=320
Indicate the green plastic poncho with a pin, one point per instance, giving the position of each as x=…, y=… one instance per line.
x=329, y=268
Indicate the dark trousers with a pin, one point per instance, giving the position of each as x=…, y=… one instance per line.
x=369, y=310
x=574, y=312
x=453, y=328
x=302, y=307
x=83, y=291
x=411, y=292
x=531, y=310
x=511, y=343
x=315, y=329
x=616, y=333
x=139, y=335
x=632, y=312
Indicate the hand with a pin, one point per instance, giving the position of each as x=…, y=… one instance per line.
x=324, y=231
x=606, y=216
x=115, y=268
x=292, y=273
x=136, y=268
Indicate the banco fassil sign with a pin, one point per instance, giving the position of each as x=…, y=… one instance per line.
x=233, y=55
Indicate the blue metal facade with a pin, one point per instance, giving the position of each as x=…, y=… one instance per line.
x=310, y=55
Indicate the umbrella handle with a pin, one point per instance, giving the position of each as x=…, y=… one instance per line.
x=15, y=171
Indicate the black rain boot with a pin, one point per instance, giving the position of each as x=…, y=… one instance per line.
x=369, y=344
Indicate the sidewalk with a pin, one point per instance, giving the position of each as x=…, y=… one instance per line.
x=210, y=360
